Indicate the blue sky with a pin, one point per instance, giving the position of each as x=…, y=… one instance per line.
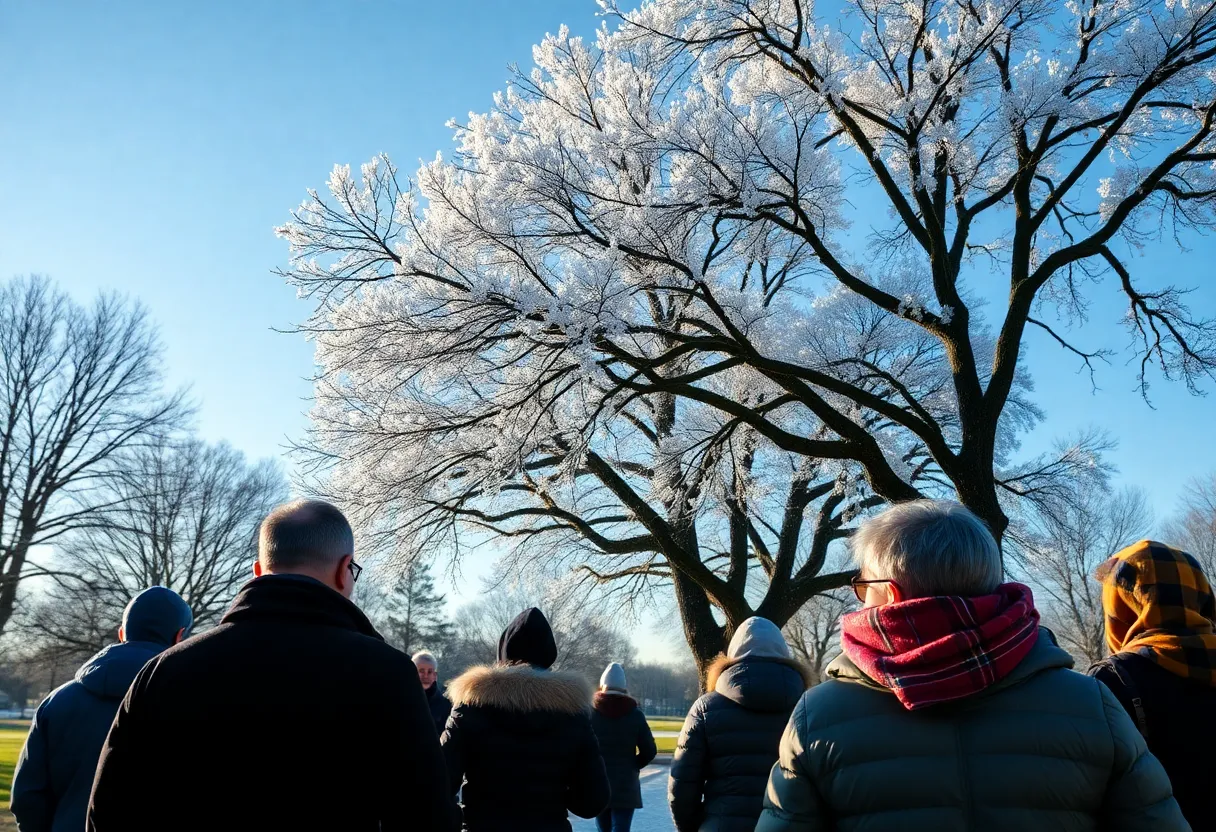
x=152, y=147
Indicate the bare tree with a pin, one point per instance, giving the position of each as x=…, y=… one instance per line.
x=1194, y=528
x=626, y=324
x=78, y=386
x=179, y=514
x=814, y=631
x=1062, y=550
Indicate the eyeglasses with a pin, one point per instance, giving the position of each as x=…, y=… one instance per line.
x=859, y=586
x=355, y=570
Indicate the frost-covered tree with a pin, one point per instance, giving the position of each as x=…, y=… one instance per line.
x=688, y=300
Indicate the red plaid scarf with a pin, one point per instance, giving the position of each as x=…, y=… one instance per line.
x=931, y=650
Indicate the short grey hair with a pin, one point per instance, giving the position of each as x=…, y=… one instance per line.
x=304, y=533
x=426, y=657
x=930, y=547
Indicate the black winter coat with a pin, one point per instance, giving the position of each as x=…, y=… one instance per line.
x=55, y=771
x=291, y=714
x=440, y=707
x=520, y=741
x=626, y=745
x=730, y=743
x=1180, y=716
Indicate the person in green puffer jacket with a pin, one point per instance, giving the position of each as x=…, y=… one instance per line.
x=952, y=709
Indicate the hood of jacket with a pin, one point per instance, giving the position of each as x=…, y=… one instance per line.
x=297, y=599
x=529, y=640
x=109, y=673
x=520, y=688
x=1044, y=655
x=759, y=684
x=758, y=638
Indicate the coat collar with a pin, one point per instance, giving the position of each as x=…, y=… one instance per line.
x=520, y=689
x=297, y=599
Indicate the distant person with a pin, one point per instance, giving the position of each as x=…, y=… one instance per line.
x=291, y=714
x=626, y=745
x=519, y=739
x=1159, y=627
x=55, y=771
x=428, y=675
x=731, y=735
x=952, y=709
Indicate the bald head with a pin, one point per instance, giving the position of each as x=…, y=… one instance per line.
x=304, y=536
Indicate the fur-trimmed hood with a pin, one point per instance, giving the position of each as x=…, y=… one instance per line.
x=761, y=684
x=521, y=689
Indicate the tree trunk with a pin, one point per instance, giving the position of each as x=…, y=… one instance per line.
x=10, y=579
x=706, y=638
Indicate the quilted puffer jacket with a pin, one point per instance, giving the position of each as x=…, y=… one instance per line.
x=1044, y=749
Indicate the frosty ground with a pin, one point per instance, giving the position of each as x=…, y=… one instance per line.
x=654, y=816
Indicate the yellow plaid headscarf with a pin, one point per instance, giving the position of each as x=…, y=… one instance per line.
x=1159, y=605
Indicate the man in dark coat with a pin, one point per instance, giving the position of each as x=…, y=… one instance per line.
x=428, y=674
x=626, y=745
x=732, y=734
x=519, y=739
x=291, y=714
x=55, y=771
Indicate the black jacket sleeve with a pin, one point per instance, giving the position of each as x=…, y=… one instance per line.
x=455, y=741
x=587, y=790
x=33, y=801
x=686, y=782
x=115, y=802
x=647, y=750
x=425, y=802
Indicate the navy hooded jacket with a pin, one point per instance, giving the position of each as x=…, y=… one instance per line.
x=55, y=771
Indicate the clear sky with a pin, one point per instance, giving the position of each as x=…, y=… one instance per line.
x=152, y=147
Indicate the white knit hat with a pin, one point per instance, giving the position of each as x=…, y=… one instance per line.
x=613, y=679
x=758, y=637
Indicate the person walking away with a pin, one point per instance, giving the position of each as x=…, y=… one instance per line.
x=951, y=709
x=291, y=714
x=55, y=770
x=519, y=739
x=626, y=745
x=428, y=675
x=730, y=737
x=1159, y=613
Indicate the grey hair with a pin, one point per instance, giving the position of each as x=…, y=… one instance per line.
x=304, y=533
x=425, y=656
x=929, y=547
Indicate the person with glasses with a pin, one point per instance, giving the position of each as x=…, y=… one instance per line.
x=293, y=713
x=951, y=709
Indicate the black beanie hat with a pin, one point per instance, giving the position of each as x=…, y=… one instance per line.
x=529, y=639
x=156, y=615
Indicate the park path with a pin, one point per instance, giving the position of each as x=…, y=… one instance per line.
x=654, y=816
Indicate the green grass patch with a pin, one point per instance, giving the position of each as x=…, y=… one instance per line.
x=12, y=737
x=666, y=745
x=661, y=723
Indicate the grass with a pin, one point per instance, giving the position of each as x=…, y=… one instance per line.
x=666, y=745
x=12, y=737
